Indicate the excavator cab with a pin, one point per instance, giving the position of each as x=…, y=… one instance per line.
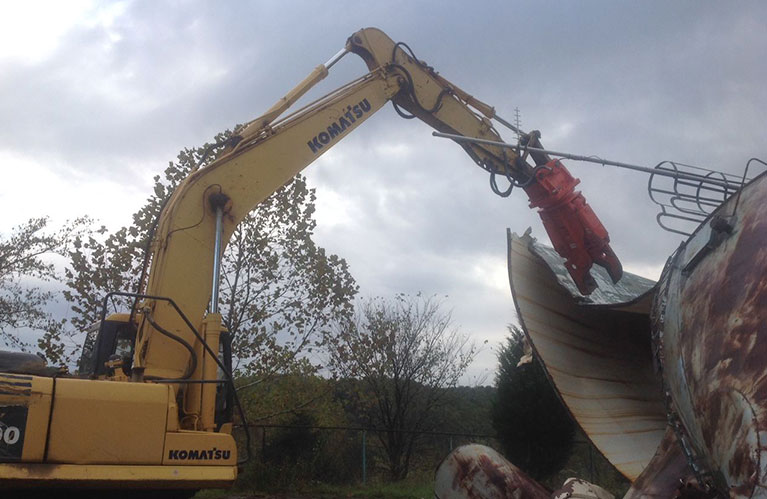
x=106, y=345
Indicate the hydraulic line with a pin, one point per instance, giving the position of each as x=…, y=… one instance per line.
x=192, y=354
x=592, y=159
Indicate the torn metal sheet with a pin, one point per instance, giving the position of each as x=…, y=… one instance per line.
x=596, y=350
x=710, y=331
x=629, y=288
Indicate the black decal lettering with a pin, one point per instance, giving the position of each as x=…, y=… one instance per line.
x=209, y=455
x=324, y=137
x=218, y=454
x=365, y=105
x=226, y=454
x=357, y=111
x=13, y=419
x=334, y=130
x=194, y=454
x=348, y=114
x=173, y=454
x=315, y=145
x=344, y=124
x=182, y=454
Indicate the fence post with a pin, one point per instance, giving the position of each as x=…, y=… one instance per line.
x=364, y=458
x=263, y=444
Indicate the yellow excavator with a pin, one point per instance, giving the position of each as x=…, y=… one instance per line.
x=152, y=406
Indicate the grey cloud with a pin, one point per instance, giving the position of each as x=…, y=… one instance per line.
x=635, y=82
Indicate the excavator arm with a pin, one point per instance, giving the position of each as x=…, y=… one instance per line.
x=270, y=150
x=153, y=423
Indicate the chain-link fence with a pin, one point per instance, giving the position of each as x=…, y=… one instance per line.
x=333, y=454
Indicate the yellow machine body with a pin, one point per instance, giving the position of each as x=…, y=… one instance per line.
x=98, y=432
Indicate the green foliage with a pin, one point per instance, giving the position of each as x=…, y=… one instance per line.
x=291, y=457
x=24, y=268
x=285, y=396
x=534, y=428
x=407, y=354
x=469, y=410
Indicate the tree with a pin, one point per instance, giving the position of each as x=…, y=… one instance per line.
x=279, y=289
x=408, y=354
x=533, y=426
x=25, y=268
x=300, y=453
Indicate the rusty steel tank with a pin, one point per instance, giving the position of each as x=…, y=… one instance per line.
x=478, y=472
x=709, y=325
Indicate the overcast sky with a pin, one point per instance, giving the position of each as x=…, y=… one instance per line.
x=97, y=97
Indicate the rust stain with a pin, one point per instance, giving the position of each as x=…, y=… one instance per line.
x=476, y=471
x=464, y=472
x=496, y=478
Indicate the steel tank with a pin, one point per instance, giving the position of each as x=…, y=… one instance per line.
x=709, y=327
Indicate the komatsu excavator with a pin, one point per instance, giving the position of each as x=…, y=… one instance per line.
x=152, y=406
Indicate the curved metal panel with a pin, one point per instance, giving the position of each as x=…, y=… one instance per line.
x=710, y=327
x=598, y=356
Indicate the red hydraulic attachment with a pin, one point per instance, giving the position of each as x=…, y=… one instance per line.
x=575, y=231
